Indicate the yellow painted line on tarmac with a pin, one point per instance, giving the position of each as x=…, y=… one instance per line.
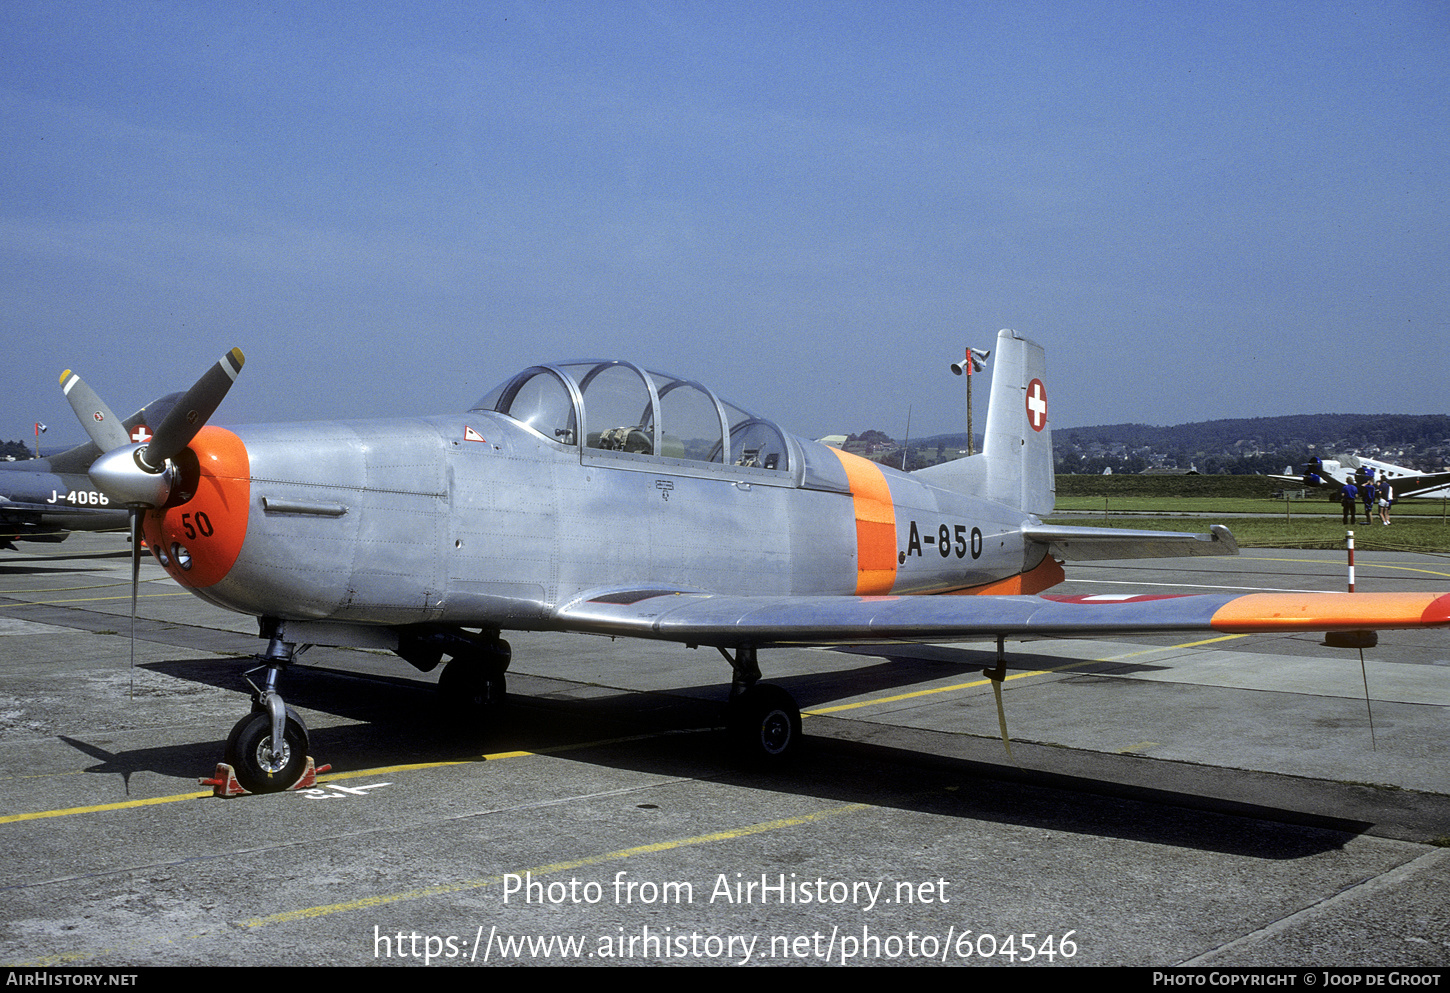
x=99, y=807
x=176, y=798
x=322, y=780
x=1362, y=563
x=918, y=693
x=818, y=711
x=712, y=837
x=1168, y=648
x=1209, y=641
x=388, y=770
x=423, y=893
x=67, y=589
x=89, y=599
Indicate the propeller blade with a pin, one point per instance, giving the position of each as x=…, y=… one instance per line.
x=193, y=410
x=104, y=427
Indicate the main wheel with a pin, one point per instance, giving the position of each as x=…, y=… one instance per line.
x=765, y=725
x=260, y=767
x=471, y=687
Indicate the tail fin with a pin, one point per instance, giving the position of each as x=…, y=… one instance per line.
x=1015, y=465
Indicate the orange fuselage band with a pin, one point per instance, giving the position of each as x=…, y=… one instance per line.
x=875, y=525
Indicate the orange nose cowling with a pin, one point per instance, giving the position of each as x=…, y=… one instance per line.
x=211, y=526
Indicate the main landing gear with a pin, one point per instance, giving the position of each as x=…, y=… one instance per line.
x=763, y=722
x=474, y=682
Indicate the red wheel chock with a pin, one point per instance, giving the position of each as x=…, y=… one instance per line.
x=224, y=781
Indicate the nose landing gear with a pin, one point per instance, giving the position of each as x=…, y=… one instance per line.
x=267, y=749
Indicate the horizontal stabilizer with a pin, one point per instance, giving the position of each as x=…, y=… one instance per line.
x=1085, y=544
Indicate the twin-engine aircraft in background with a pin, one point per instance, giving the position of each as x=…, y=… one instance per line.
x=1332, y=474
x=46, y=499
x=603, y=498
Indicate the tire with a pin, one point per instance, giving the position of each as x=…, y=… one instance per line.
x=472, y=688
x=765, y=725
x=248, y=752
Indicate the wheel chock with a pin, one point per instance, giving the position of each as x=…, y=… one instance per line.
x=308, y=778
x=224, y=781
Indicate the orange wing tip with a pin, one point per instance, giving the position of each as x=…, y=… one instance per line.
x=1332, y=611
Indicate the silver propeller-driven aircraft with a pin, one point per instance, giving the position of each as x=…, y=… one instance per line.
x=603, y=498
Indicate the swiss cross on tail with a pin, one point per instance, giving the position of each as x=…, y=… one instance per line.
x=1037, y=405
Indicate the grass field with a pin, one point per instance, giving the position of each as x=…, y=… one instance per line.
x=1167, y=505
x=1408, y=533
x=1152, y=503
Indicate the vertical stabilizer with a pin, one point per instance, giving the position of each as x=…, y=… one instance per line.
x=1015, y=465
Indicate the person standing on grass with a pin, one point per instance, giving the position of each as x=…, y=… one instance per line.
x=1349, y=500
x=1387, y=497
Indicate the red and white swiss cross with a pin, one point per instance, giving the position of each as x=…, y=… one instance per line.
x=1037, y=405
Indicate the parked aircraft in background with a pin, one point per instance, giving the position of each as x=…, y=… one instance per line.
x=600, y=497
x=1332, y=474
x=46, y=499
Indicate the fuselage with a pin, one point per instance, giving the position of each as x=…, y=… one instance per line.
x=481, y=520
x=37, y=502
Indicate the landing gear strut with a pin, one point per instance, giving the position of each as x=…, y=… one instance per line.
x=763, y=721
x=268, y=748
x=474, y=683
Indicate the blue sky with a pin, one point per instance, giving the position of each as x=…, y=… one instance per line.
x=1202, y=210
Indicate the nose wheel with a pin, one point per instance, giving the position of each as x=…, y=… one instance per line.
x=267, y=749
x=261, y=763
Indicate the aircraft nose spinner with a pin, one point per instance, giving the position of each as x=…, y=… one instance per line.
x=197, y=538
x=125, y=478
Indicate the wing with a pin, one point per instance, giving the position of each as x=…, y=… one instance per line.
x=1408, y=486
x=697, y=617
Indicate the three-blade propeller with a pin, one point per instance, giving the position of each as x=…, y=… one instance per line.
x=139, y=475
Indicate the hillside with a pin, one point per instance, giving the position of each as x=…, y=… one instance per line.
x=1237, y=446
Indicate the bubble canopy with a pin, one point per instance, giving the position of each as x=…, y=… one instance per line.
x=617, y=406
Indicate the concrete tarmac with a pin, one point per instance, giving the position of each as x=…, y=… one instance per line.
x=1176, y=800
